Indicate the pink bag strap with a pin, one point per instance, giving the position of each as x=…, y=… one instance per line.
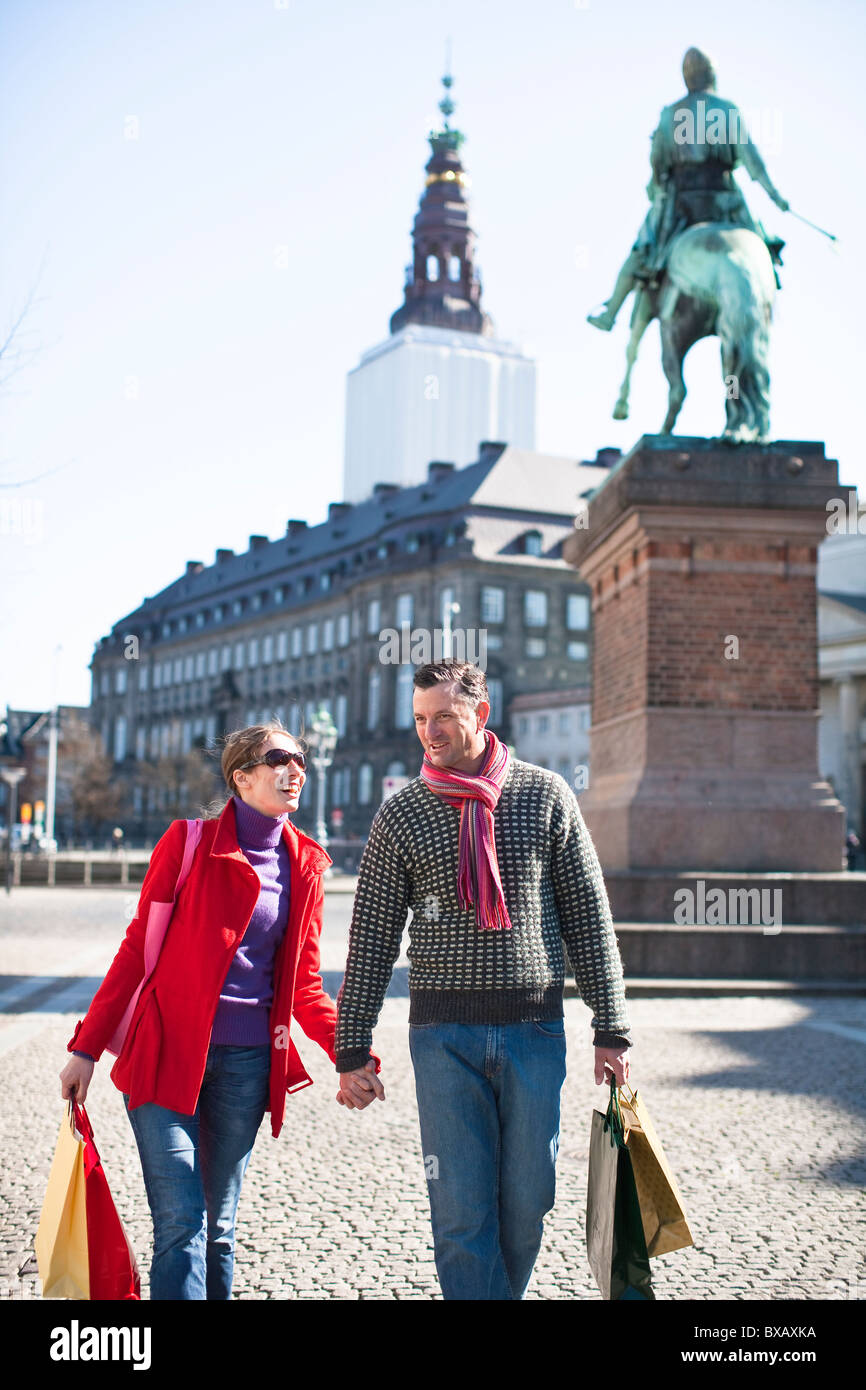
x=193, y=835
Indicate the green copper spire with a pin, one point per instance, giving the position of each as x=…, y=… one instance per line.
x=446, y=138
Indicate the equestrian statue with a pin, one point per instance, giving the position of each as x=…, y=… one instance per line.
x=701, y=264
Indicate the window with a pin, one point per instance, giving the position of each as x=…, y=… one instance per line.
x=297, y=641
x=253, y=651
x=238, y=607
x=328, y=635
x=239, y=656
x=177, y=674
x=141, y=743
x=166, y=629
x=356, y=623
x=583, y=718
x=365, y=784
x=282, y=646
x=577, y=611
x=119, y=739
x=186, y=737
x=532, y=543
x=181, y=625
x=494, y=642
x=268, y=649
x=226, y=658
x=324, y=581
x=343, y=630
x=218, y=613
x=577, y=651
x=213, y=661
x=120, y=681
x=105, y=683
x=279, y=594
x=564, y=722
x=535, y=608
x=492, y=605
x=412, y=544
x=142, y=677
x=454, y=268
x=200, y=664
x=312, y=638
x=199, y=619
x=405, y=609
x=432, y=267
x=256, y=601
x=403, y=701
x=210, y=729
x=342, y=709
x=157, y=676
x=494, y=689
x=374, y=691
x=542, y=724
x=188, y=668
x=446, y=605
x=166, y=673
x=523, y=724
x=374, y=613
x=536, y=646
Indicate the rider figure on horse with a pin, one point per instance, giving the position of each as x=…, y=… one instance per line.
x=698, y=143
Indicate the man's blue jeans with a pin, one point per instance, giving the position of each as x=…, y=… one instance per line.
x=488, y=1102
x=193, y=1168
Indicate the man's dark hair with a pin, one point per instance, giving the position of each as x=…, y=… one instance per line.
x=468, y=676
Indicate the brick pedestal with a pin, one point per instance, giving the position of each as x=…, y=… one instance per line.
x=703, y=750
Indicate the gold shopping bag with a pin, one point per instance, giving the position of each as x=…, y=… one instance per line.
x=664, y=1220
x=61, y=1239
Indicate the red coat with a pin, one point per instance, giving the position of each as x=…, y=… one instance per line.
x=163, y=1058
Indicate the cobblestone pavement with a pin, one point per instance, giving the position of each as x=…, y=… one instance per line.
x=759, y=1102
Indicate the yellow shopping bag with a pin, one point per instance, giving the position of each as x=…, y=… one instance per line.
x=61, y=1239
x=661, y=1206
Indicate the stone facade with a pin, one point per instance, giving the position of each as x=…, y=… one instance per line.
x=314, y=617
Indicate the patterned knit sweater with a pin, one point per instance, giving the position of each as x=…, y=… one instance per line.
x=458, y=973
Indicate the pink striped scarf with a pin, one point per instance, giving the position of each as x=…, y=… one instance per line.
x=478, y=878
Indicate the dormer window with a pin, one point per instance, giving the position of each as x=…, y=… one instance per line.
x=532, y=543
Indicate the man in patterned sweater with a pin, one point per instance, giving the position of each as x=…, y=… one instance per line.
x=493, y=859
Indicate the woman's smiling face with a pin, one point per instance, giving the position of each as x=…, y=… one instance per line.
x=273, y=791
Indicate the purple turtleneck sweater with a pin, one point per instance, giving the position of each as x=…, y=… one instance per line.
x=244, y=1008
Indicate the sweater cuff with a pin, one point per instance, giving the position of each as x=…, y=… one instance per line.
x=85, y=1055
x=603, y=1039
x=354, y=1061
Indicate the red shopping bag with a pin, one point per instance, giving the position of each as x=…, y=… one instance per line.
x=81, y=1246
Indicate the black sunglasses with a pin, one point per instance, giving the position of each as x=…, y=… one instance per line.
x=277, y=757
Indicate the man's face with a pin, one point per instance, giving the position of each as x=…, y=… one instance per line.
x=450, y=730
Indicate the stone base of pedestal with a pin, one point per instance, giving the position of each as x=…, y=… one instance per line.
x=703, y=750
x=711, y=788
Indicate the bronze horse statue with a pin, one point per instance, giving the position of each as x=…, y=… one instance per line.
x=719, y=281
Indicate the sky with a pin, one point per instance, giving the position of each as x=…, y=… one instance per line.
x=207, y=215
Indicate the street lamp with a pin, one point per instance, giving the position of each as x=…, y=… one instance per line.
x=11, y=776
x=322, y=739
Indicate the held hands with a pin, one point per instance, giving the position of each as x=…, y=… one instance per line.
x=75, y=1079
x=611, y=1061
x=359, y=1088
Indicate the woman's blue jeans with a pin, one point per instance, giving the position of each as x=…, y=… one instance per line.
x=488, y=1103
x=193, y=1168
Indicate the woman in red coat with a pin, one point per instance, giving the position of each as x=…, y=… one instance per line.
x=207, y=1050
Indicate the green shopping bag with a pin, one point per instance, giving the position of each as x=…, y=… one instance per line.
x=615, y=1240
